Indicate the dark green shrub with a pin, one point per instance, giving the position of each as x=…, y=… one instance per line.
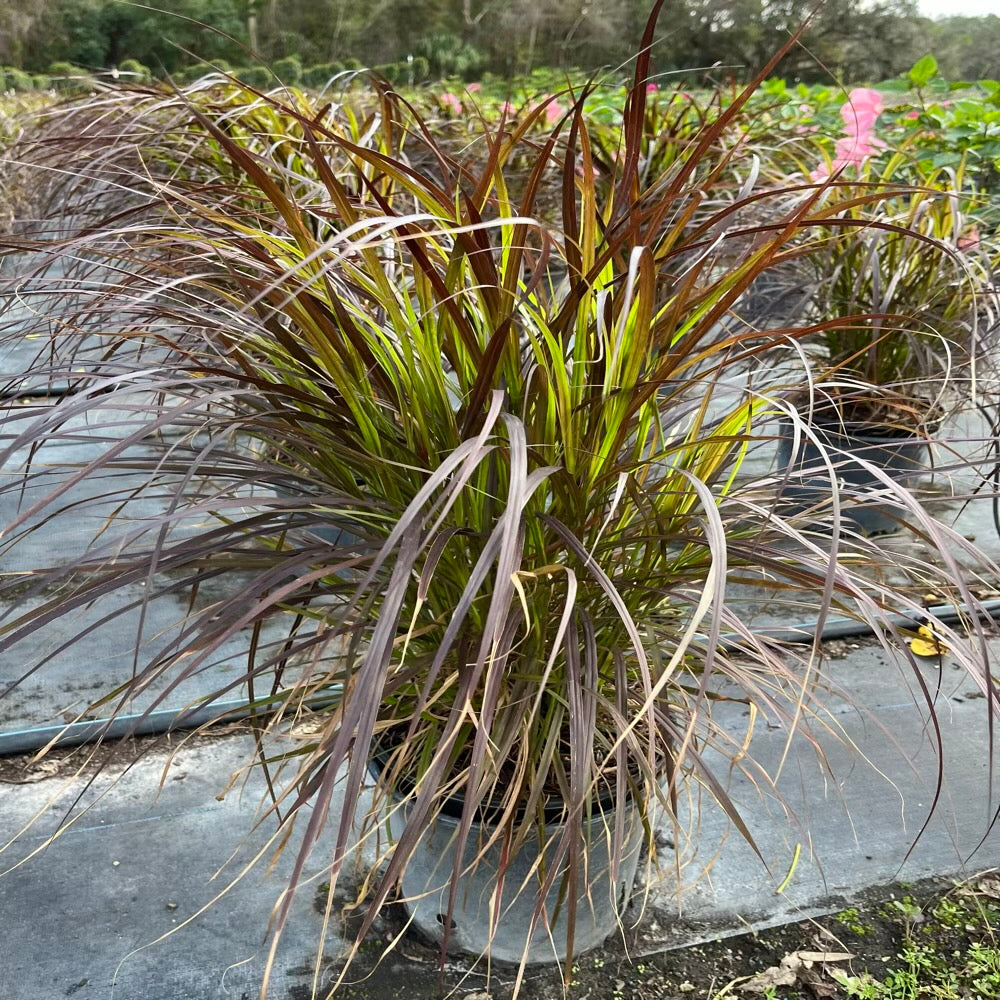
x=191, y=73
x=188, y=74
x=15, y=79
x=66, y=76
x=420, y=68
x=308, y=49
x=318, y=76
x=394, y=72
x=134, y=71
x=288, y=70
x=255, y=76
x=449, y=55
x=352, y=64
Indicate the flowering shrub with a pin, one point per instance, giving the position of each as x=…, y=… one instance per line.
x=938, y=123
x=965, y=130
x=860, y=112
x=552, y=109
x=450, y=103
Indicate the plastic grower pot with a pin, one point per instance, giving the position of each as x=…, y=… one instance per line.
x=478, y=925
x=853, y=449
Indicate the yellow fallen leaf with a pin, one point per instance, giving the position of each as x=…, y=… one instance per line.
x=927, y=644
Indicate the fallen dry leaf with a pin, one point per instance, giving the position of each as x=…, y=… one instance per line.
x=988, y=886
x=927, y=643
x=32, y=773
x=820, y=988
x=811, y=957
x=307, y=729
x=769, y=978
x=796, y=967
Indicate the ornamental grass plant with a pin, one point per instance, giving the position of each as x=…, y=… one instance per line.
x=917, y=268
x=17, y=113
x=917, y=265
x=479, y=480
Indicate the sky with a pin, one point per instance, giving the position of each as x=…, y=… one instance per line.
x=958, y=8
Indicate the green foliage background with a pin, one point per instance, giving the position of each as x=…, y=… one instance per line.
x=854, y=39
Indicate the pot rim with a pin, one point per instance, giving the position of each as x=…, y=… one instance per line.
x=554, y=811
x=831, y=423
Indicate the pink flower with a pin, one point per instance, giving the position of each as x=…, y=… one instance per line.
x=862, y=108
x=860, y=112
x=969, y=240
x=507, y=109
x=652, y=88
x=474, y=88
x=912, y=114
x=552, y=109
x=450, y=103
x=855, y=148
x=863, y=99
x=860, y=122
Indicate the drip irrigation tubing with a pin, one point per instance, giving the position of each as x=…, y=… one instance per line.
x=37, y=392
x=120, y=727
x=164, y=721
x=849, y=628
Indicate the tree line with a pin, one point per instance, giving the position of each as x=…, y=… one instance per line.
x=853, y=40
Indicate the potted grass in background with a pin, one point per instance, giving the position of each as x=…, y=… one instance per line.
x=532, y=432
x=914, y=270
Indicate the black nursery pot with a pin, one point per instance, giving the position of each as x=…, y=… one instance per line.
x=333, y=534
x=853, y=449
